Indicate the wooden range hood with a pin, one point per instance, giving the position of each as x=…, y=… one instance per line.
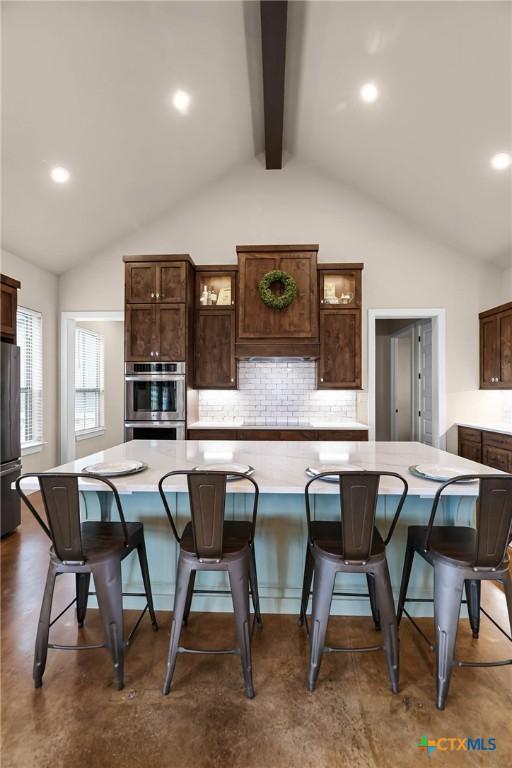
x=263, y=332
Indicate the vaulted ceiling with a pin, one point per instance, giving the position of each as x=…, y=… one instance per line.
x=89, y=86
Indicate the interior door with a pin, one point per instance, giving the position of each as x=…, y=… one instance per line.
x=424, y=336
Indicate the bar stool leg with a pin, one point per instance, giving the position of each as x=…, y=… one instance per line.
x=190, y=595
x=309, y=567
x=143, y=560
x=253, y=580
x=406, y=572
x=180, y=599
x=386, y=606
x=109, y=591
x=473, y=590
x=507, y=583
x=448, y=585
x=370, y=580
x=43, y=628
x=325, y=575
x=82, y=596
x=239, y=581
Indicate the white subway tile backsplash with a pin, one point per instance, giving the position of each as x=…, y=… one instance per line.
x=276, y=391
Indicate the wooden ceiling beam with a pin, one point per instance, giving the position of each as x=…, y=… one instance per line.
x=273, y=43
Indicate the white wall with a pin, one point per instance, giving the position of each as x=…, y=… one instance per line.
x=39, y=291
x=403, y=266
x=113, y=334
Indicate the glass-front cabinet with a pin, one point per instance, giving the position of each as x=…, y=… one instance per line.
x=339, y=287
x=215, y=289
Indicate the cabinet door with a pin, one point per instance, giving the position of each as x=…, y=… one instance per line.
x=8, y=305
x=497, y=458
x=140, y=283
x=489, y=352
x=505, y=367
x=140, y=342
x=470, y=450
x=171, y=282
x=340, y=349
x=215, y=365
x=171, y=332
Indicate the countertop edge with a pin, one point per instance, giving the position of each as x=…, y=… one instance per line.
x=499, y=429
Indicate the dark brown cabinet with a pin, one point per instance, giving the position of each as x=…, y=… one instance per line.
x=215, y=364
x=149, y=282
x=277, y=434
x=496, y=348
x=155, y=333
x=339, y=366
x=8, y=307
x=490, y=448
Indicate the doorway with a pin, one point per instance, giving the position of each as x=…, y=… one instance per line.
x=406, y=386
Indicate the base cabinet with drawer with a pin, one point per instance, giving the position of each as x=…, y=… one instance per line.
x=490, y=448
x=279, y=434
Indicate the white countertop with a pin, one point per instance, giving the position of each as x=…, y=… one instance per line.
x=501, y=427
x=239, y=424
x=280, y=466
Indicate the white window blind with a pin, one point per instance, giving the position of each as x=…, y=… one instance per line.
x=30, y=340
x=89, y=375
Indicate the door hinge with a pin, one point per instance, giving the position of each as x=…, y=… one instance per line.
x=419, y=375
x=419, y=413
x=419, y=338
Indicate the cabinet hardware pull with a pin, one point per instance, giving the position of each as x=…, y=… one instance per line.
x=151, y=354
x=157, y=353
x=321, y=379
x=152, y=295
x=232, y=380
x=158, y=295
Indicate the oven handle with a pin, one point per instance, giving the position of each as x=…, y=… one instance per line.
x=157, y=424
x=156, y=377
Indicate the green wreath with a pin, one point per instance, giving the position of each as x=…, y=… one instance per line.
x=289, y=289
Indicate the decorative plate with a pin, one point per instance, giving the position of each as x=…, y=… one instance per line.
x=437, y=472
x=115, y=468
x=335, y=468
x=243, y=469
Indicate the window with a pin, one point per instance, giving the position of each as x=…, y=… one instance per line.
x=89, y=375
x=30, y=340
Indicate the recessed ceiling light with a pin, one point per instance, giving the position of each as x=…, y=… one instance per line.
x=60, y=175
x=501, y=161
x=181, y=101
x=369, y=93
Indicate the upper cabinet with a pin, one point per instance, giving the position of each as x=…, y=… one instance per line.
x=8, y=306
x=158, y=300
x=496, y=348
x=340, y=286
x=215, y=288
x=149, y=282
x=263, y=329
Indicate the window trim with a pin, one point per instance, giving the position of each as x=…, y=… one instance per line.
x=35, y=446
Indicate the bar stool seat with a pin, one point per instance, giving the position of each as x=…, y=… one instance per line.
x=101, y=539
x=236, y=536
x=454, y=543
x=328, y=537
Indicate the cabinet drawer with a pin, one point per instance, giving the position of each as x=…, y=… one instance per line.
x=497, y=440
x=473, y=435
x=498, y=458
x=343, y=434
x=212, y=434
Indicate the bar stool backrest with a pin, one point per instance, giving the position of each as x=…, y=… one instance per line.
x=494, y=518
x=358, y=505
x=207, y=497
x=61, y=499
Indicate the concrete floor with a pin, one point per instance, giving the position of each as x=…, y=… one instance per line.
x=79, y=719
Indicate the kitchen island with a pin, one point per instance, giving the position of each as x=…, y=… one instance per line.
x=281, y=532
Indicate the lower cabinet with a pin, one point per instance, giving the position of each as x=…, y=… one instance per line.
x=490, y=448
x=278, y=434
x=215, y=364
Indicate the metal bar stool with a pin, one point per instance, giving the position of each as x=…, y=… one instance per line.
x=462, y=557
x=86, y=548
x=211, y=543
x=351, y=545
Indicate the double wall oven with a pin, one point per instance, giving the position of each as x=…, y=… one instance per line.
x=154, y=401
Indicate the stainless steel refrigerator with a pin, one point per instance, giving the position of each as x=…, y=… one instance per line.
x=10, y=448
